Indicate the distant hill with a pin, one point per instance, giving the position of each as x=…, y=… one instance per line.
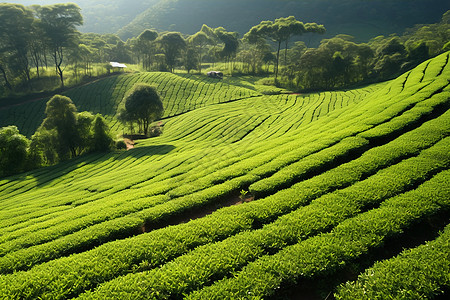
x=102, y=16
x=362, y=19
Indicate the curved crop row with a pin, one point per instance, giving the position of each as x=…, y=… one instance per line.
x=310, y=162
x=326, y=253
x=417, y=273
x=214, y=261
x=319, y=185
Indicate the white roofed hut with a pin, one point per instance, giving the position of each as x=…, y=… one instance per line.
x=117, y=66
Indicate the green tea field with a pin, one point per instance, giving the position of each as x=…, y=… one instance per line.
x=330, y=195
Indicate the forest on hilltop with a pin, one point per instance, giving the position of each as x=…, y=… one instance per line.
x=37, y=40
x=361, y=18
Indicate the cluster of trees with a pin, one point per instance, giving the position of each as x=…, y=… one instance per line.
x=337, y=62
x=36, y=37
x=169, y=50
x=63, y=134
x=66, y=133
x=341, y=62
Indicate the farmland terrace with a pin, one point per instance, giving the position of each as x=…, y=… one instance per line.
x=349, y=190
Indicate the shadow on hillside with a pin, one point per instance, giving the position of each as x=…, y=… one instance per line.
x=142, y=151
x=47, y=175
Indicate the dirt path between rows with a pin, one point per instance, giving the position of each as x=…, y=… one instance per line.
x=198, y=213
x=130, y=143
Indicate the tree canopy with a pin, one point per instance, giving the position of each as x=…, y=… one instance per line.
x=13, y=150
x=172, y=43
x=59, y=23
x=281, y=30
x=200, y=40
x=145, y=46
x=61, y=116
x=65, y=133
x=143, y=105
x=15, y=24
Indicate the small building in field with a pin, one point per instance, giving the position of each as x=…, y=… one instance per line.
x=215, y=74
x=117, y=65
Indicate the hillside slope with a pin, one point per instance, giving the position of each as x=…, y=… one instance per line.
x=335, y=182
x=363, y=19
x=180, y=94
x=101, y=16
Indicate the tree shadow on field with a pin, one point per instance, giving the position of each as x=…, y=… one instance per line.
x=142, y=151
x=47, y=175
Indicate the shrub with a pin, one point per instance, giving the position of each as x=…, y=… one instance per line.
x=120, y=145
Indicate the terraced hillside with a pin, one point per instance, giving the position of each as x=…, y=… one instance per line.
x=181, y=93
x=334, y=185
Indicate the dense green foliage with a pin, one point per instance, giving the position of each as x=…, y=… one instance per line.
x=142, y=105
x=28, y=35
x=281, y=30
x=13, y=151
x=33, y=38
x=391, y=278
x=335, y=178
x=62, y=135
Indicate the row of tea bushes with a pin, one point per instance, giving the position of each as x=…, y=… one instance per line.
x=418, y=273
x=329, y=252
x=121, y=255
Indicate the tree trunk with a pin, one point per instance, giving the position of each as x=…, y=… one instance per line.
x=45, y=58
x=285, y=52
x=8, y=85
x=36, y=59
x=58, y=56
x=278, y=61
x=200, y=58
x=145, y=124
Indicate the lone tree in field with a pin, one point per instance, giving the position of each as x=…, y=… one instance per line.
x=281, y=31
x=143, y=105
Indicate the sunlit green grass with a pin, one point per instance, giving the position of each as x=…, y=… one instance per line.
x=339, y=171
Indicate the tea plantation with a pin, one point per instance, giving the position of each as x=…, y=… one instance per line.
x=342, y=194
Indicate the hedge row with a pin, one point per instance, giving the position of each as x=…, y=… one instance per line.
x=419, y=273
x=327, y=253
x=123, y=254
x=211, y=262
